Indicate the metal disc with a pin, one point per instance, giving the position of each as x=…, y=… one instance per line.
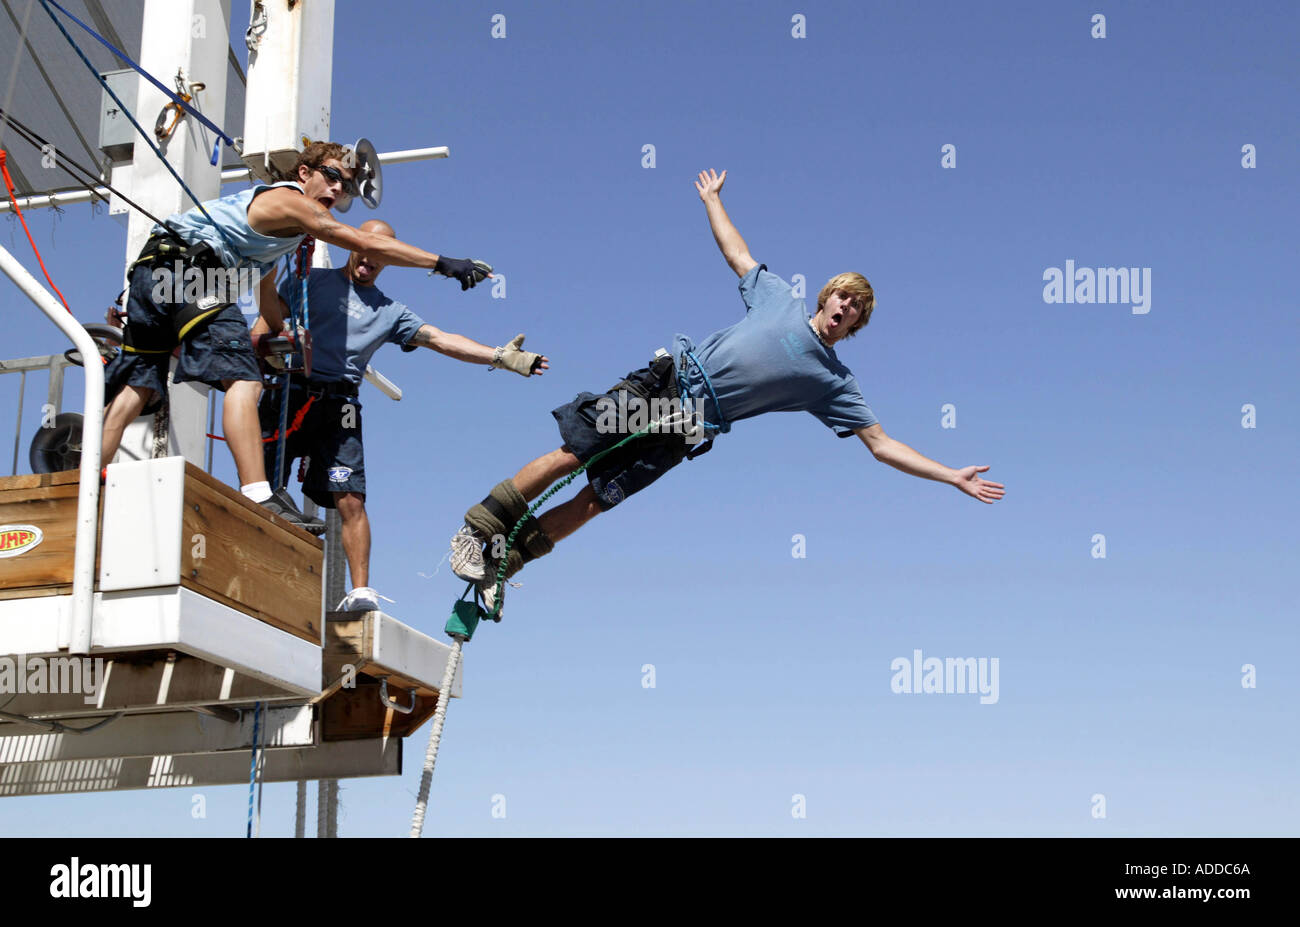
x=58, y=447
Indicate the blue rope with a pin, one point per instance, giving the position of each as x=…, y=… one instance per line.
x=252, y=771
x=297, y=317
x=151, y=79
x=143, y=134
x=708, y=384
x=282, y=438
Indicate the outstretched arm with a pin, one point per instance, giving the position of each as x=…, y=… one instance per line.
x=901, y=457
x=284, y=212
x=470, y=351
x=733, y=247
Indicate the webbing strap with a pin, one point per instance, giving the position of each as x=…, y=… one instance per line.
x=178, y=101
x=297, y=421
x=9, y=187
x=127, y=112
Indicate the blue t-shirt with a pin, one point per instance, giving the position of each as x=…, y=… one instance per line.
x=246, y=247
x=770, y=361
x=348, y=323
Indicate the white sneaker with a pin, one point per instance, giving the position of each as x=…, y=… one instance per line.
x=488, y=589
x=467, y=555
x=361, y=599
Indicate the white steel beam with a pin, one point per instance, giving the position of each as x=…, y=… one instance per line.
x=344, y=759
x=175, y=733
x=77, y=629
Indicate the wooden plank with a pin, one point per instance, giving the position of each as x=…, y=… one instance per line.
x=251, y=561
x=273, y=617
x=194, y=474
x=53, y=509
x=39, y=492
x=36, y=592
x=37, y=480
x=358, y=713
x=347, y=643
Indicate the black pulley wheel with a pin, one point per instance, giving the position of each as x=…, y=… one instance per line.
x=58, y=447
x=108, y=338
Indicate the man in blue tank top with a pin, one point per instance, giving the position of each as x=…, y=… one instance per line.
x=247, y=231
x=775, y=359
x=350, y=318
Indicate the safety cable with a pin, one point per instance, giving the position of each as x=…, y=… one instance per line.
x=127, y=112
x=71, y=168
x=510, y=540
x=178, y=101
x=252, y=769
x=9, y=186
x=460, y=637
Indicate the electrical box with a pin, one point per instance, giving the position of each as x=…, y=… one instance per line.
x=116, y=134
x=290, y=66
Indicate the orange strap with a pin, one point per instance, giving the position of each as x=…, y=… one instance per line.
x=13, y=198
x=293, y=426
x=297, y=420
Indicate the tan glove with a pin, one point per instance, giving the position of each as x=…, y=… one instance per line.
x=512, y=358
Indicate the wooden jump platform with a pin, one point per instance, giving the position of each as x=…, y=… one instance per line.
x=205, y=604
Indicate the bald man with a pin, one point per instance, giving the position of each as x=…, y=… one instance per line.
x=350, y=318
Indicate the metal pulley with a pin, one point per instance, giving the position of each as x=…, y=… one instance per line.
x=367, y=176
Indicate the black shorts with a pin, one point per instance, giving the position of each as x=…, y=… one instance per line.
x=328, y=434
x=638, y=463
x=218, y=349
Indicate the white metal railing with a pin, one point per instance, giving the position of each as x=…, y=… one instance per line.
x=54, y=365
x=76, y=626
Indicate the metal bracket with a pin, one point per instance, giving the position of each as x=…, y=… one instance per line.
x=392, y=703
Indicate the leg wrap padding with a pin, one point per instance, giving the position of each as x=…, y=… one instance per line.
x=533, y=541
x=498, y=513
x=530, y=543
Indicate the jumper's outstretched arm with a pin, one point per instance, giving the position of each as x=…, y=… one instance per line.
x=733, y=247
x=901, y=457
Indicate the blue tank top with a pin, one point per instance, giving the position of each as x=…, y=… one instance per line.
x=250, y=248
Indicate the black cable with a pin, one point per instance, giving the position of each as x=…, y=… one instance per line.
x=29, y=136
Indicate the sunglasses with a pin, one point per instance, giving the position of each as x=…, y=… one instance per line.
x=331, y=173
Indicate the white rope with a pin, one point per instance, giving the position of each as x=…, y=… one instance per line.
x=300, y=812
x=161, y=426
x=332, y=821
x=435, y=736
x=322, y=808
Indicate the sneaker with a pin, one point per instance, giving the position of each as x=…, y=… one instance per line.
x=488, y=590
x=467, y=555
x=282, y=504
x=361, y=599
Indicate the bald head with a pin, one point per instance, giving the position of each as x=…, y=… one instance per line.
x=363, y=268
x=379, y=227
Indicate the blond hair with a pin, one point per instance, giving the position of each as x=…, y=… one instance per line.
x=856, y=287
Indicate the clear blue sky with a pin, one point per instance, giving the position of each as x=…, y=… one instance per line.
x=1119, y=676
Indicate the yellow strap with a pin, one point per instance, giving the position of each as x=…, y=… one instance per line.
x=185, y=330
x=130, y=350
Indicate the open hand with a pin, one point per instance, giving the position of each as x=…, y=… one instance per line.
x=710, y=183
x=981, y=489
x=525, y=363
